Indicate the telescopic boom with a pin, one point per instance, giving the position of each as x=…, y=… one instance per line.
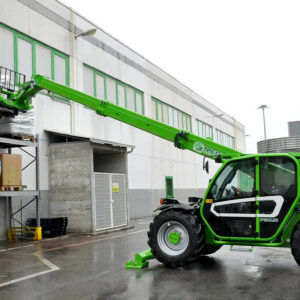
x=21, y=101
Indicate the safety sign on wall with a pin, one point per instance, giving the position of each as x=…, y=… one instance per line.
x=115, y=187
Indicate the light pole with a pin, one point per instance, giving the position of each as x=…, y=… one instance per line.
x=263, y=107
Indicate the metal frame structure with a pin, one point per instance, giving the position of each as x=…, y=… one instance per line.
x=7, y=143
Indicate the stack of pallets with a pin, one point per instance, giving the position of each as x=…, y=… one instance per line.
x=18, y=136
x=51, y=227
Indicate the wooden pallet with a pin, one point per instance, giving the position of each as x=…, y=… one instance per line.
x=19, y=137
x=11, y=188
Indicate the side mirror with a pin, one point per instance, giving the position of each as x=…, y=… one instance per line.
x=205, y=165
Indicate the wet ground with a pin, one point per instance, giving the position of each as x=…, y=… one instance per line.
x=92, y=267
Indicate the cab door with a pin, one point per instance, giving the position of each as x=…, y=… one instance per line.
x=277, y=192
x=230, y=206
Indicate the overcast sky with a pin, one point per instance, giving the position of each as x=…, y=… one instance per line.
x=236, y=54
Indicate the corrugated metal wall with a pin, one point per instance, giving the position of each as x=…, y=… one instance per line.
x=286, y=144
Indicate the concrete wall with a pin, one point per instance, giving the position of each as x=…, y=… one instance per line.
x=70, y=169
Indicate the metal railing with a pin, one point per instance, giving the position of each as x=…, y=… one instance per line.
x=11, y=80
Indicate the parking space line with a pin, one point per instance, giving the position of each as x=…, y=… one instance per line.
x=45, y=261
x=144, y=222
x=95, y=241
x=52, y=267
x=48, y=263
x=15, y=248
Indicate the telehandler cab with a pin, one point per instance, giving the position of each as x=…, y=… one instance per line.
x=252, y=200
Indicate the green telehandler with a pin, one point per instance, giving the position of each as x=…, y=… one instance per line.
x=252, y=200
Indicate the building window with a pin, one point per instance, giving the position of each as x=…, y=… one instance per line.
x=59, y=69
x=225, y=139
x=139, y=102
x=43, y=60
x=169, y=187
x=169, y=115
x=102, y=86
x=121, y=95
x=204, y=130
x=88, y=82
x=24, y=50
x=159, y=112
x=27, y=56
x=186, y=122
x=130, y=98
x=110, y=90
x=7, y=48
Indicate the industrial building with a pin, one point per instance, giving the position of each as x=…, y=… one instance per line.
x=96, y=171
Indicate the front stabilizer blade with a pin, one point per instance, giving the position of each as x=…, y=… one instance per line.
x=141, y=260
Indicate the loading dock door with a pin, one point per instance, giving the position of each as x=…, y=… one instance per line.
x=110, y=200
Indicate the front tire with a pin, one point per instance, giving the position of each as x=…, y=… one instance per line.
x=295, y=243
x=176, y=238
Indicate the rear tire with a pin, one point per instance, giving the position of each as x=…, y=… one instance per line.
x=176, y=238
x=207, y=249
x=295, y=243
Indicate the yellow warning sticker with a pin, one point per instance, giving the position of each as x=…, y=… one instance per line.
x=115, y=187
x=210, y=201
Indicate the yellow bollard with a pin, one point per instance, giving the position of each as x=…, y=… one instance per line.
x=9, y=234
x=37, y=234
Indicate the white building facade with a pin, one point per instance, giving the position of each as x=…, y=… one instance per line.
x=38, y=37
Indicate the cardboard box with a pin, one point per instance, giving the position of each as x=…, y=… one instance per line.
x=10, y=170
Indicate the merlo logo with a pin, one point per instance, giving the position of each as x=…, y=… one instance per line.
x=200, y=148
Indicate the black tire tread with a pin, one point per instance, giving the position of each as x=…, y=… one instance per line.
x=196, y=237
x=295, y=243
x=207, y=249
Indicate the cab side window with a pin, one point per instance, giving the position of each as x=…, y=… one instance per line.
x=236, y=181
x=278, y=177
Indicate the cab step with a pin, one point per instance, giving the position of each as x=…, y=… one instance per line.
x=241, y=248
